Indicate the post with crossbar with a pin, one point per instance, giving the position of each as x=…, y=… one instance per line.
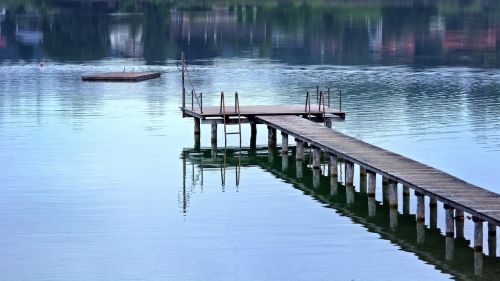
x=183, y=85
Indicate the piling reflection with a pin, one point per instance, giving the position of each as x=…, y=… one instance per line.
x=453, y=256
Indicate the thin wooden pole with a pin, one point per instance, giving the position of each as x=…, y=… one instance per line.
x=183, y=85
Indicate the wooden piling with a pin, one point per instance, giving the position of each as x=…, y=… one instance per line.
x=385, y=186
x=299, y=169
x=478, y=235
x=253, y=135
x=371, y=177
x=478, y=246
x=284, y=143
x=449, y=218
x=372, y=206
x=316, y=178
x=316, y=158
x=393, y=194
x=393, y=218
x=459, y=223
x=271, y=138
x=333, y=166
x=449, y=248
x=214, y=134
x=420, y=232
x=492, y=240
x=349, y=173
x=284, y=163
x=406, y=200
x=299, y=153
x=362, y=179
x=420, y=207
x=433, y=213
x=197, y=133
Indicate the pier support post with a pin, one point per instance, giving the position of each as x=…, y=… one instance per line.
x=372, y=205
x=284, y=163
x=214, y=134
x=299, y=170
x=420, y=217
x=393, y=204
x=316, y=178
x=349, y=173
x=385, y=185
x=328, y=122
x=362, y=179
x=492, y=240
x=393, y=194
x=253, y=135
x=334, y=189
x=478, y=246
x=299, y=152
x=197, y=133
x=271, y=138
x=450, y=227
x=450, y=232
x=372, y=177
x=333, y=166
x=284, y=143
x=406, y=200
x=433, y=213
x=349, y=182
x=459, y=223
x=316, y=158
x=449, y=248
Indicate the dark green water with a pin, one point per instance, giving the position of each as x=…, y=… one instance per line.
x=100, y=181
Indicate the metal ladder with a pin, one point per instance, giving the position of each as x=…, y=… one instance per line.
x=222, y=111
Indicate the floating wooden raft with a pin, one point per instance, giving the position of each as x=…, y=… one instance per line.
x=121, y=76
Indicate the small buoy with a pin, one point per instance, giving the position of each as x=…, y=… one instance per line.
x=41, y=64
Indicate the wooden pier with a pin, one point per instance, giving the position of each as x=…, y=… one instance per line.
x=425, y=180
x=310, y=125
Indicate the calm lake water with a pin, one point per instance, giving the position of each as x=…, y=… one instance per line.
x=101, y=181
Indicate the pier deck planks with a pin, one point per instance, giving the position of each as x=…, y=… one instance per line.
x=252, y=111
x=121, y=76
x=432, y=182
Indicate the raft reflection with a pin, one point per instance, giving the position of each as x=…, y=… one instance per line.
x=450, y=255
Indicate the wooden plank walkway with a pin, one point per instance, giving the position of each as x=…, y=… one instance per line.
x=121, y=76
x=424, y=179
x=252, y=111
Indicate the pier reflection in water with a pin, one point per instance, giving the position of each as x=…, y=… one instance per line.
x=449, y=252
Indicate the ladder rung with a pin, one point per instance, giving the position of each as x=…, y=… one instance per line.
x=233, y=133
